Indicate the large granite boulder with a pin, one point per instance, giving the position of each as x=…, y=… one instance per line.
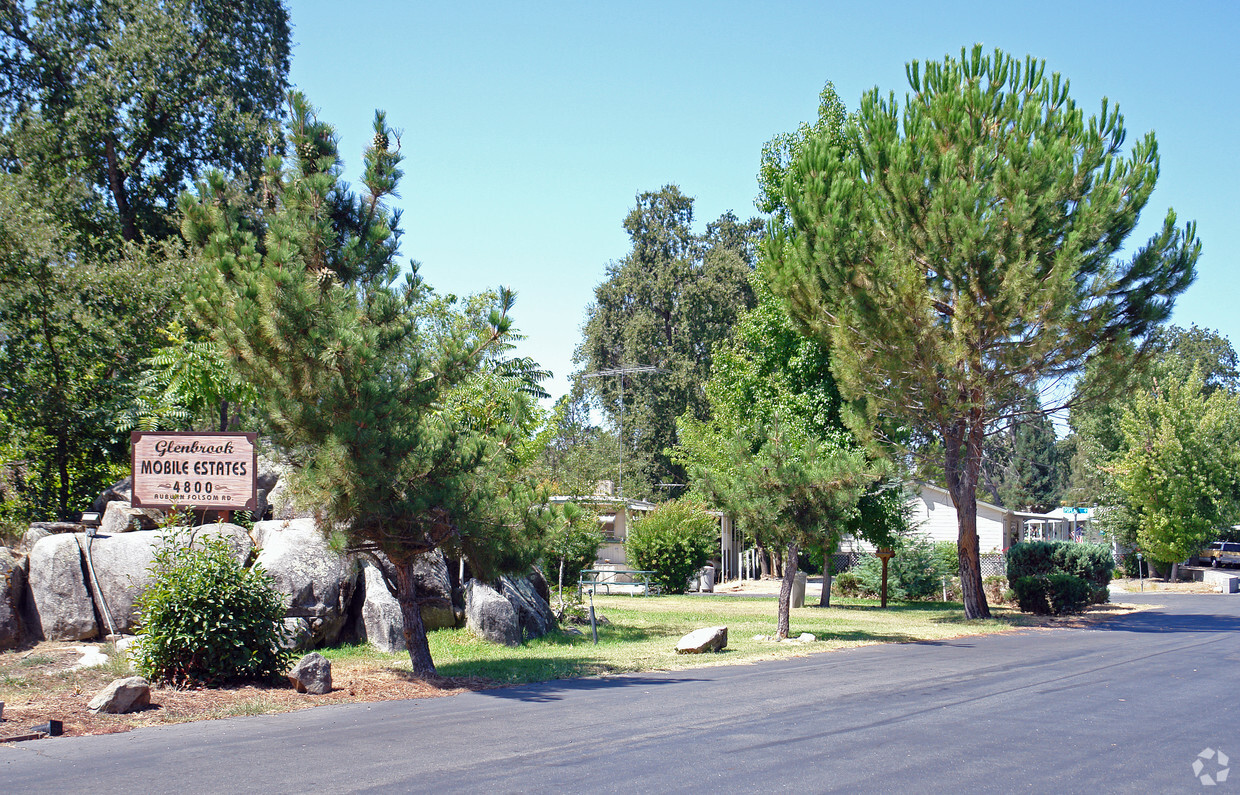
x=269, y=474
x=121, y=517
x=12, y=593
x=60, y=599
x=533, y=613
x=121, y=491
x=122, y=564
x=317, y=582
x=278, y=497
x=379, y=621
x=122, y=570
x=490, y=616
x=430, y=572
x=238, y=539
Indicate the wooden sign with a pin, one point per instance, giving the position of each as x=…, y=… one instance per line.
x=198, y=471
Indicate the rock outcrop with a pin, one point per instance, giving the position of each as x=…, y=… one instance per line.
x=379, y=621
x=60, y=599
x=534, y=615
x=317, y=583
x=121, y=517
x=490, y=615
x=12, y=596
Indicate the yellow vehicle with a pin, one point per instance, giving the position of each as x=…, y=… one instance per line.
x=1220, y=553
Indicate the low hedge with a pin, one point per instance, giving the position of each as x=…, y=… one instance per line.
x=1052, y=594
x=1090, y=563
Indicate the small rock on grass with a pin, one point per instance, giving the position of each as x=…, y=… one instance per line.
x=700, y=641
x=123, y=695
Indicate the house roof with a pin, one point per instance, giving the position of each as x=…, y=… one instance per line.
x=923, y=486
x=633, y=505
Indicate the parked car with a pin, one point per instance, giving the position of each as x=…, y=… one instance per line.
x=1220, y=553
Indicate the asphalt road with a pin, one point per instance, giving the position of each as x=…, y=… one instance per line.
x=1126, y=707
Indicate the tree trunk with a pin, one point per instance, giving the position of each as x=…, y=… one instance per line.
x=966, y=436
x=967, y=546
x=828, y=563
x=411, y=620
x=764, y=563
x=785, y=593
x=561, y=589
x=1175, y=573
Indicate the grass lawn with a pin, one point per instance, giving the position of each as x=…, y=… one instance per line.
x=642, y=632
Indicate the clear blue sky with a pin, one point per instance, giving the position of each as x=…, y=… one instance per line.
x=529, y=128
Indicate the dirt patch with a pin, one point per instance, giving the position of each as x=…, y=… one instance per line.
x=40, y=684
x=1162, y=586
x=1092, y=615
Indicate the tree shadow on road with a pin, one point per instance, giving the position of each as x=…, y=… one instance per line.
x=1165, y=621
x=540, y=692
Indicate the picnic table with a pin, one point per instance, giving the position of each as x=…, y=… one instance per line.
x=594, y=579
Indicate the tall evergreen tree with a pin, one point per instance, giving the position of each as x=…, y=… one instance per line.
x=964, y=247
x=364, y=383
x=666, y=304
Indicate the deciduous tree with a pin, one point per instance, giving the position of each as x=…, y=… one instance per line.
x=107, y=109
x=1179, y=467
x=667, y=303
x=774, y=452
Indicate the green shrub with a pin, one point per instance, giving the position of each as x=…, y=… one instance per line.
x=205, y=618
x=912, y=574
x=1051, y=594
x=947, y=558
x=846, y=583
x=1068, y=593
x=1092, y=563
x=1031, y=594
x=573, y=539
x=674, y=541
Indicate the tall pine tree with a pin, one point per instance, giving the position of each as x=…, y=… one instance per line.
x=964, y=246
x=361, y=379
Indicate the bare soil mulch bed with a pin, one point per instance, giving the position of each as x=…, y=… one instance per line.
x=39, y=683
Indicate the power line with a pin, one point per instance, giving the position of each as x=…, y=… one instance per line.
x=622, y=371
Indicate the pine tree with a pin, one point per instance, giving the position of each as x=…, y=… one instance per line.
x=962, y=248
x=363, y=378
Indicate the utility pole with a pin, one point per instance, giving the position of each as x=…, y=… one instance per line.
x=621, y=372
